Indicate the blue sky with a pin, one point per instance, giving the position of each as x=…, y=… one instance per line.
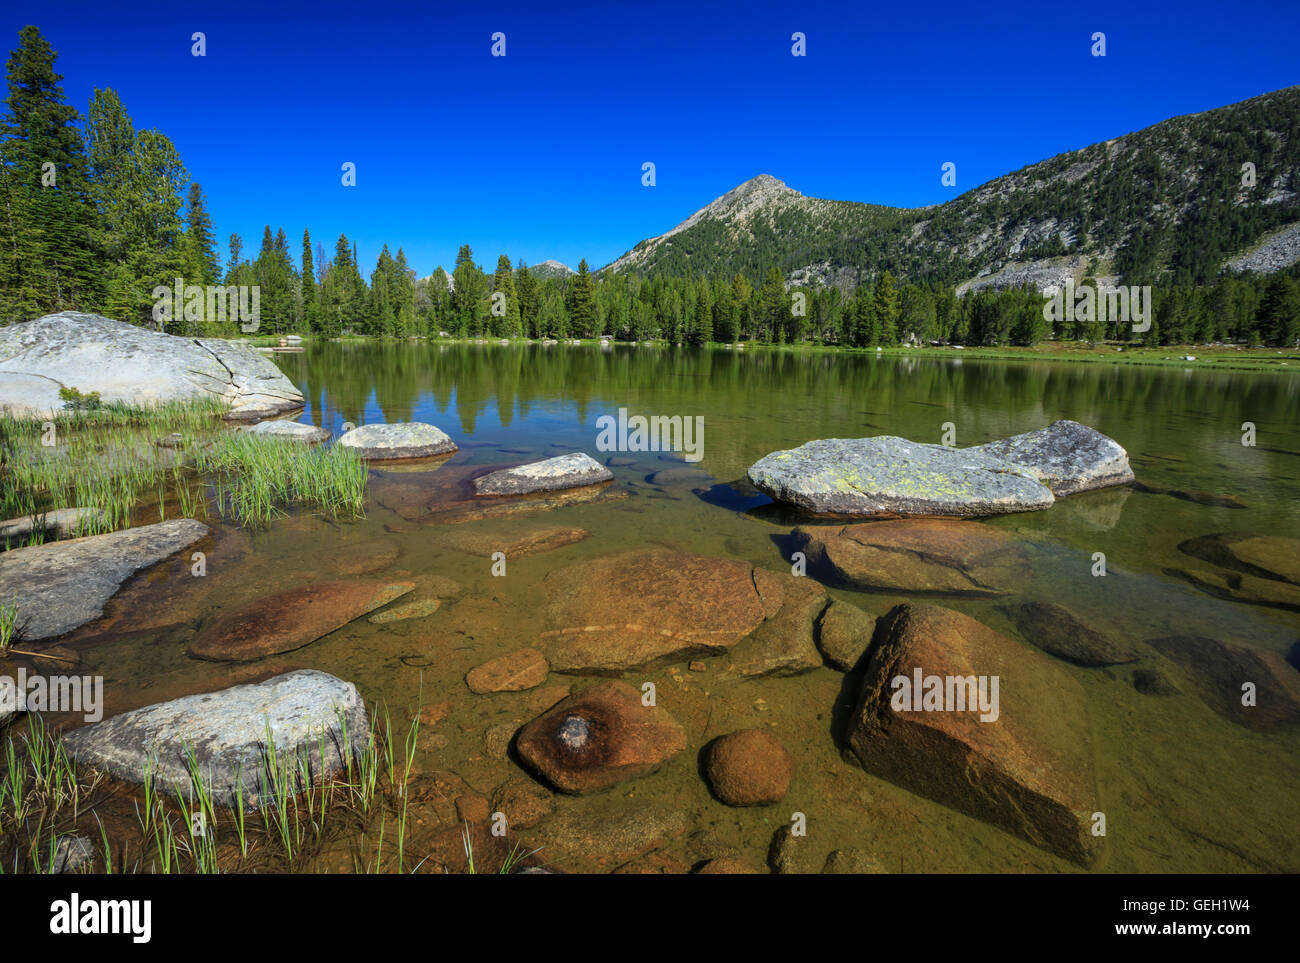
x=538, y=154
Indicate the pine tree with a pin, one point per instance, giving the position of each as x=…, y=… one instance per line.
x=200, y=243
x=885, y=299
x=310, y=309
x=506, y=324
x=48, y=262
x=582, y=301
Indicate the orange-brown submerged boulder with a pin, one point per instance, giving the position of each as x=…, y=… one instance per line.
x=748, y=768
x=599, y=738
x=289, y=620
x=917, y=555
x=1027, y=769
x=512, y=672
x=648, y=607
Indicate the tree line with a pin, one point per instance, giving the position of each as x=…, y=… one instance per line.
x=95, y=220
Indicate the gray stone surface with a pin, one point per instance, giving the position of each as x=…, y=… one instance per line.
x=59, y=586
x=1066, y=456
x=123, y=362
x=57, y=524
x=886, y=475
x=562, y=471
x=409, y=440
x=289, y=431
x=227, y=733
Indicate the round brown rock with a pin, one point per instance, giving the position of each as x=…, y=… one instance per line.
x=748, y=768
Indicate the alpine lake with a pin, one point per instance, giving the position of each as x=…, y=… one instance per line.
x=1183, y=787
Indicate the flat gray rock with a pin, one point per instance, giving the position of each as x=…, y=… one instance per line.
x=126, y=363
x=562, y=471
x=1066, y=456
x=59, y=586
x=288, y=431
x=886, y=475
x=57, y=524
x=227, y=733
x=409, y=440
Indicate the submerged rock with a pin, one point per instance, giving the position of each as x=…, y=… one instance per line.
x=1068, y=457
x=1059, y=632
x=886, y=475
x=512, y=672
x=62, y=523
x=1241, y=587
x=852, y=862
x=126, y=363
x=785, y=643
x=1026, y=766
x=406, y=440
x=599, y=738
x=1265, y=556
x=289, y=431
x=563, y=471
x=844, y=634
x=516, y=543
x=748, y=768
x=414, y=609
x=289, y=620
x=917, y=555
x=643, y=608
x=229, y=733
x=59, y=586
x=1220, y=671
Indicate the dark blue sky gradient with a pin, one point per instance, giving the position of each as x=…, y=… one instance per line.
x=538, y=154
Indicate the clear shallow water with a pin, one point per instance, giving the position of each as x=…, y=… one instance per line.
x=1183, y=789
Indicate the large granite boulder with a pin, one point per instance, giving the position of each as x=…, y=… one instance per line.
x=289, y=431
x=893, y=476
x=1025, y=766
x=60, y=586
x=406, y=440
x=229, y=734
x=552, y=474
x=1066, y=456
x=126, y=363
x=599, y=738
x=933, y=555
x=289, y=620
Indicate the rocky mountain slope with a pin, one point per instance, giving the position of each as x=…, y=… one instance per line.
x=1168, y=203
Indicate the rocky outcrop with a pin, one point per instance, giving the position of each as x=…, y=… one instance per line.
x=552, y=474
x=1066, y=456
x=1025, y=766
x=406, y=440
x=230, y=734
x=125, y=363
x=599, y=738
x=59, y=586
x=893, y=476
x=930, y=555
x=289, y=620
